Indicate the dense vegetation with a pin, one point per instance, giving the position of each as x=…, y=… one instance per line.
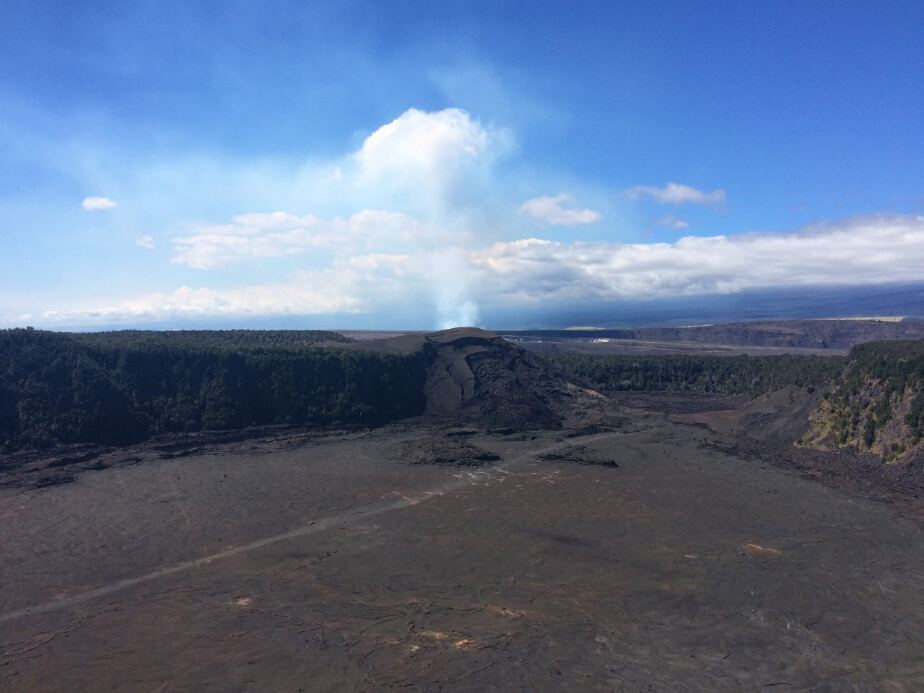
x=122, y=387
x=872, y=400
x=211, y=339
x=729, y=375
x=878, y=401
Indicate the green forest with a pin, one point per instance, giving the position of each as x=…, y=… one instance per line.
x=119, y=388
x=882, y=386
x=727, y=375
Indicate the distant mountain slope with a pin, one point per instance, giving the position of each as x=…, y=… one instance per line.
x=877, y=404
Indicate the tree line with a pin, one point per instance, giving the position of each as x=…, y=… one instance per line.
x=122, y=387
x=727, y=375
x=881, y=379
x=119, y=388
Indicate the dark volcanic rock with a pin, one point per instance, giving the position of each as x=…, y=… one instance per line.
x=578, y=454
x=476, y=376
x=444, y=451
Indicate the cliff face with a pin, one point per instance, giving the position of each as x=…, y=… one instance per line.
x=476, y=376
x=121, y=388
x=877, y=404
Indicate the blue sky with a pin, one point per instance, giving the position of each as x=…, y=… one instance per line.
x=415, y=164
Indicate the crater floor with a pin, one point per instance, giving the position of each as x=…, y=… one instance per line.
x=332, y=565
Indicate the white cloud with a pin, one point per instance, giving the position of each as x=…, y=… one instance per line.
x=558, y=211
x=442, y=155
x=273, y=220
x=94, y=204
x=868, y=249
x=408, y=222
x=422, y=179
x=676, y=194
x=454, y=282
x=669, y=221
x=278, y=234
x=301, y=294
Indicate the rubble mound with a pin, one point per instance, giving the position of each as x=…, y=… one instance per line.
x=442, y=450
x=476, y=376
x=578, y=454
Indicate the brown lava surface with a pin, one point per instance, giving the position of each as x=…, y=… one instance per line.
x=327, y=563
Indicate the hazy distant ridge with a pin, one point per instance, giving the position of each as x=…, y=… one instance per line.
x=802, y=334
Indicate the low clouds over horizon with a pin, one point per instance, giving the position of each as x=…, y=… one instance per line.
x=393, y=163
x=430, y=224
x=867, y=249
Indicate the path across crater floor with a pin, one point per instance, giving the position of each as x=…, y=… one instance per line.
x=337, y=566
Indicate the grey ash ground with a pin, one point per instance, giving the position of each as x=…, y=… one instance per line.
x=323, y=561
